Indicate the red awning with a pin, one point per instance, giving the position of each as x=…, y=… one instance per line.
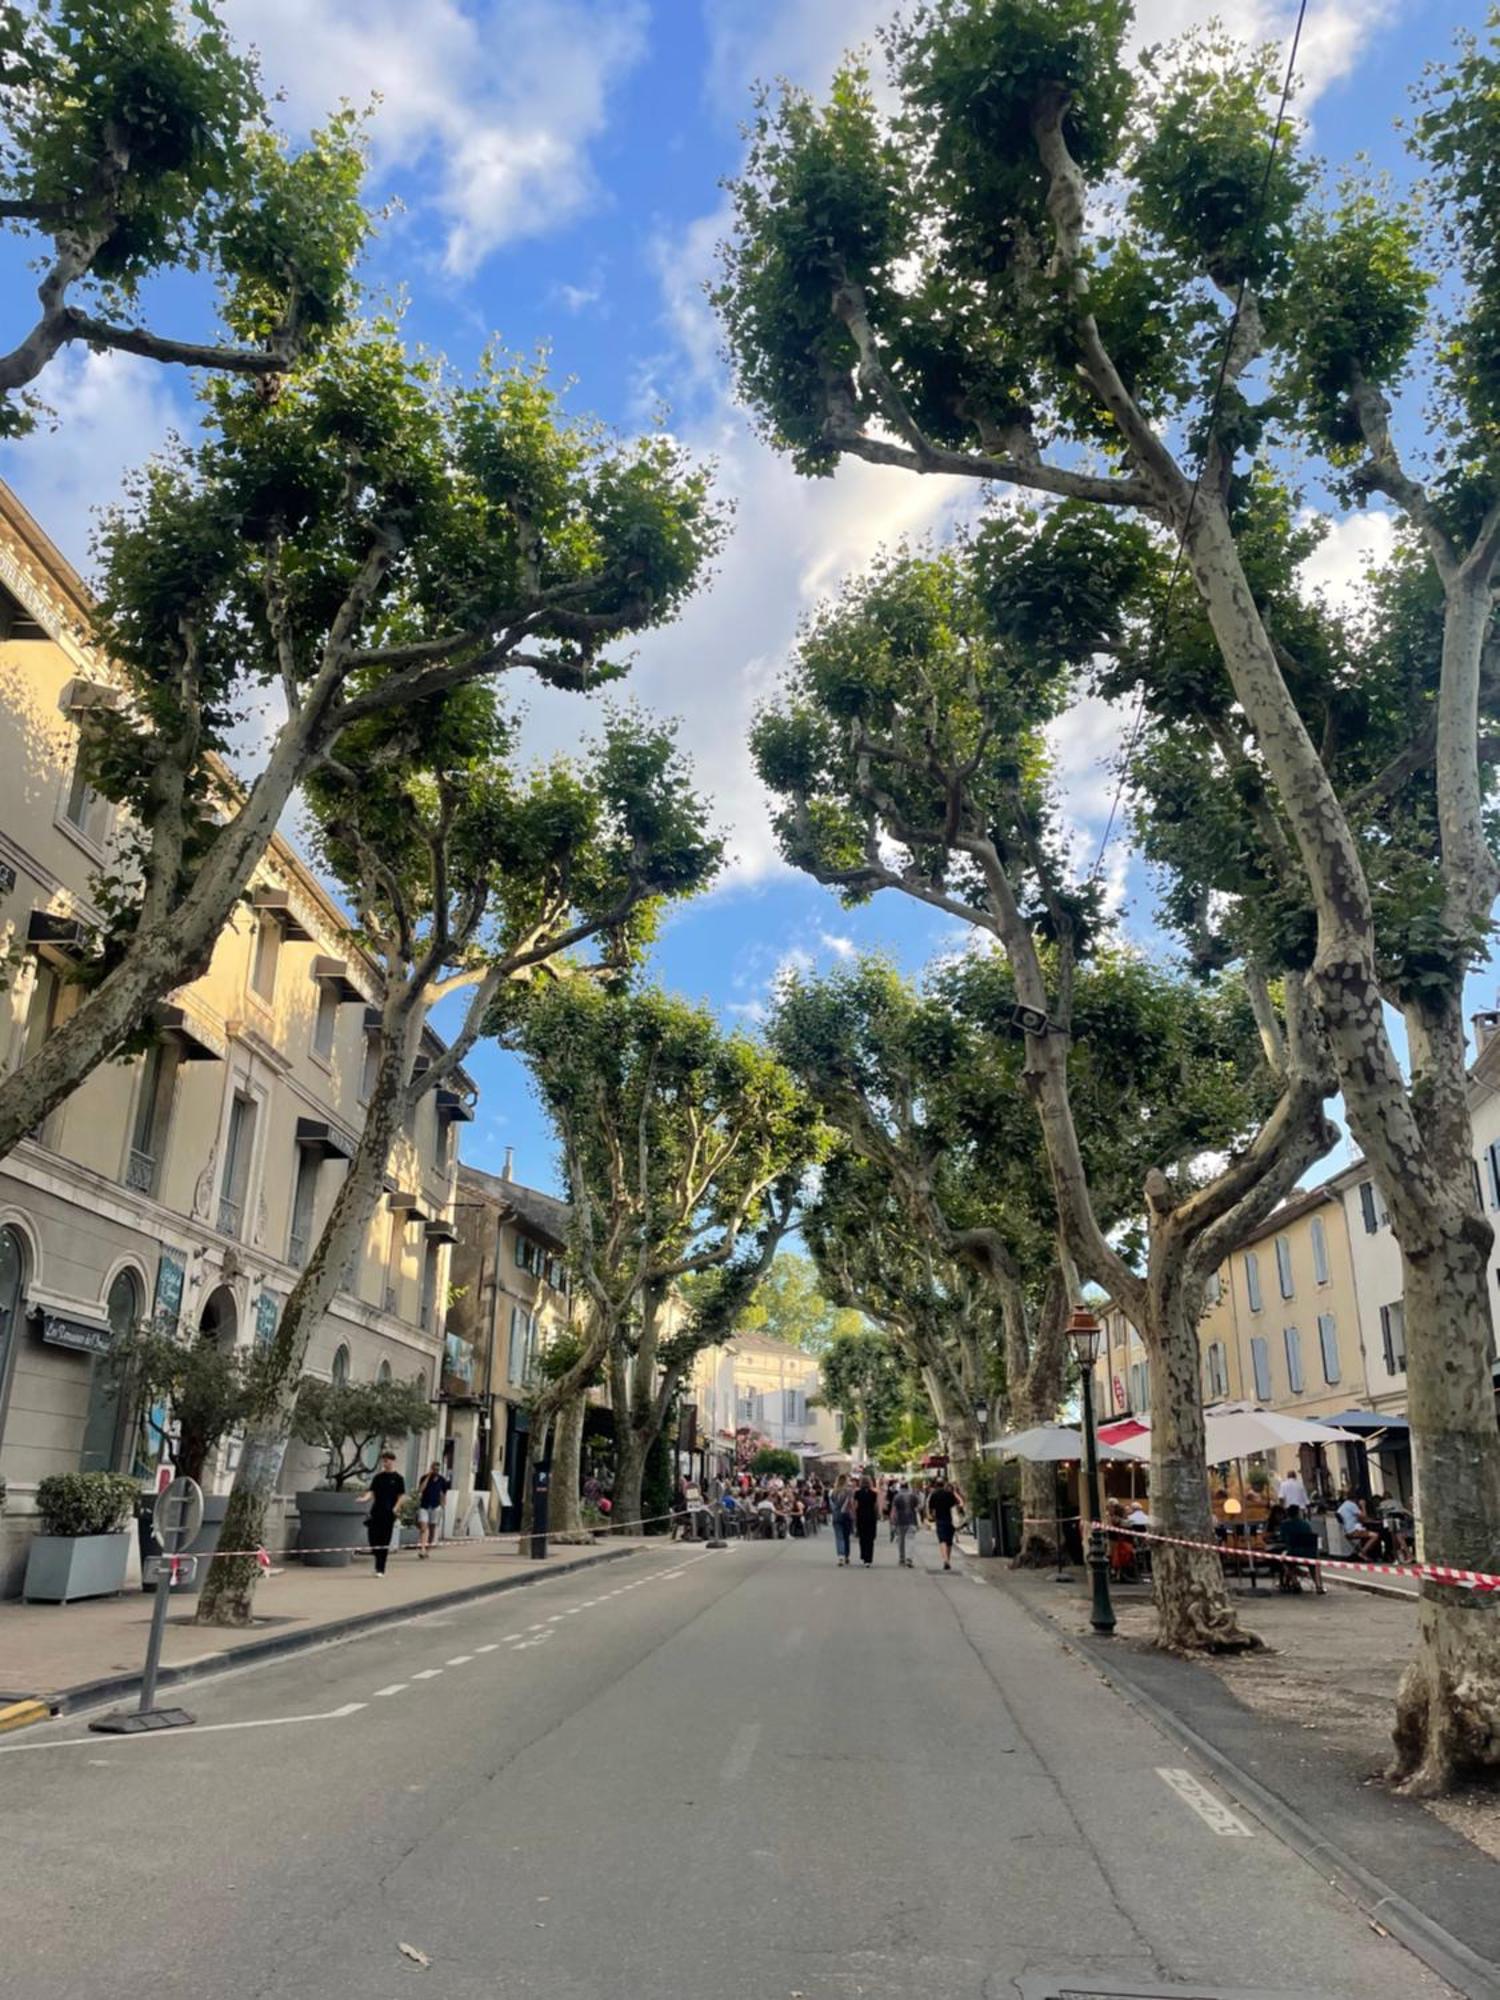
x=1124, y=1430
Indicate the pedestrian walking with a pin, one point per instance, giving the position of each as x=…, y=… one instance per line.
x=866, y=1518
x=387, y=1489
x=430, y=1495
x=903, y=1522
x=841, y=1512
x=942, y=1506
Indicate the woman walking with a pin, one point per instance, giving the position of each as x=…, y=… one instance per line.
x=866, y=1519
x=430, y=1499
x=841, y=1510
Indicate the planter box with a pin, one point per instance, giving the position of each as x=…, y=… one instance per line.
x=333, y=1524
x=60, y=1568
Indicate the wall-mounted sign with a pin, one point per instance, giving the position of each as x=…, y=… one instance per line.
x=267, y=1306
x=171, y=1269
x=82, y=1335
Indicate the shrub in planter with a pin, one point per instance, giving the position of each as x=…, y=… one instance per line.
x=84, y=1543
x=774, y=1459
x=352, y=1422
x=210, y=1390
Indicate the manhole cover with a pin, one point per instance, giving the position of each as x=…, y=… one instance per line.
x=1065, y=1986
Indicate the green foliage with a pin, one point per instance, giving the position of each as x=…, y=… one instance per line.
x=352, y=1421
x=789, y=1305
x=861, y=1375
x=208, y=1387
x=85, y=1503
x=138, y=141
x=774, y=1460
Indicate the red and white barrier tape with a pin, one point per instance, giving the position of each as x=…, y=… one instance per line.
x=263, y=1556
x=1465, y=1579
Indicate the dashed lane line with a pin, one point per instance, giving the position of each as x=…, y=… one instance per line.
x=427, y=1674
x=396, y=1687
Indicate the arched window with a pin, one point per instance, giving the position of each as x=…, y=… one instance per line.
x=383, y=1373
x=104, y=1426
x=12, y=1290
x=341, y=1364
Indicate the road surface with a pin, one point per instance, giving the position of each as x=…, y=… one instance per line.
x=744, y=1775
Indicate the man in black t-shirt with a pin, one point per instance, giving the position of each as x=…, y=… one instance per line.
x=386, y=1491
x=942, y=1505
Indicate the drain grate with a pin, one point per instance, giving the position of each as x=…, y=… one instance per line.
x=1065, y=1986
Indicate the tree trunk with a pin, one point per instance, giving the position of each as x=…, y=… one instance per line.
x=565, y=1509
x=162, y=955
x=1039, y=1511
x=1193, y=1611
x=861, y=1437
x=229, y=1593
x=1448, y=1705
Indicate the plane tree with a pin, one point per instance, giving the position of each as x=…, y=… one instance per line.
x=1032, y=264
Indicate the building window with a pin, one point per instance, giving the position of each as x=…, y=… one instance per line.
x=304, y=1204
x=383, y=1374
x=12, y=1290
x=1292, y=1341
x=1252, y=1280
x=520, y=1343
x=86, y=810
x=1319, y=1251
x=103, y=1431
x=326, y=1019
x=429, y=1286
x=1218, y=1369
x=237, y=1151
x=1260, y=1366
x=442, y=1147
x=1393, y=1336
x=1328, y=1342
x=267, y=952
x=1284, y=1267
x=340, y=1366
x=1370, y=1210
x=43, y=1007
x=1213, y=1290
x=1140, y=1387
x=148, y=1128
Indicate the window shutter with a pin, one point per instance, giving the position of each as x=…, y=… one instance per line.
x=1292, y=1342
x=1328, y=1342
x=1284, y=1266
x=1319, y=1250
x=1252, y=1280
x=1260, y=1362
x=1367, y=1206
x=1385, y=1340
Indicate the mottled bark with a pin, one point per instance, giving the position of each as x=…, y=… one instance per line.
x=565, y=1504
x=229, y=1594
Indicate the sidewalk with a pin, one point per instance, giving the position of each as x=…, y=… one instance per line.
x=74, y=1654
x=1302, y=1728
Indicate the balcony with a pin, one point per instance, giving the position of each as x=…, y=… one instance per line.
x=231, y=1216
x=140, y=1172
x=390, y=1298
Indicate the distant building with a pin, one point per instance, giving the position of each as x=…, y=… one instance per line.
x=191, y=1181
x=766, y=1385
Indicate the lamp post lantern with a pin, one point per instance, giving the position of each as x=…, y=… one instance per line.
x=1085, y=1333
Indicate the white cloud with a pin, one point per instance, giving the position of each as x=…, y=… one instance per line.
x=1353, y=542
x=841, y=947
x=500, y=100
x=112, y=411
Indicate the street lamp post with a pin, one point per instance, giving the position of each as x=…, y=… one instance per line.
x=1084, y=1332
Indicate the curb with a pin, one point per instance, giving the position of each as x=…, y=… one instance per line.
x=16, y=1714
x=276, y=1645
x=1438, y=1948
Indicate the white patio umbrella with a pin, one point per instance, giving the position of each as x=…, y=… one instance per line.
x=1241, y=1433
x=1050, y=1444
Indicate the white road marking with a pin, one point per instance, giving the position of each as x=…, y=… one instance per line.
x=427, y=1674
x=185, y=1735
x=737, y=1763
x=460, y=1659
x=1213, y=1812
x=396, y=1687
x=492, y=1647
x=556, y=1618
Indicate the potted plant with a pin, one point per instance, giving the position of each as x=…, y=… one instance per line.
x=774, y=1459
x=83, y=1544
x=351, y=1422
x=204, y=1391
x=982, y=1496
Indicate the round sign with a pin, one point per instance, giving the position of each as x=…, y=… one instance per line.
x=178, y=1515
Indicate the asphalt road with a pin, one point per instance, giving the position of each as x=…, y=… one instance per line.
x=744, y=1775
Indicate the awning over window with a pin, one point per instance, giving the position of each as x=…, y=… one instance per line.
x=316, y=1135
x=451, y=1105
x=441, y=1232
x=278, y=903
x=373, y=1019
x=58, y=937
x=80, y=694
x=404, y=1202
x=335, y=972
x=200, y=1041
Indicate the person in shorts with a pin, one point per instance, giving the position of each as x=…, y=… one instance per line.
x=386, y=1491
x=942, y=1509
x=430, y=1496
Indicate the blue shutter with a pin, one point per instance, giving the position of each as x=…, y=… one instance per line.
x=1260, y=1362
x=1328, y=1341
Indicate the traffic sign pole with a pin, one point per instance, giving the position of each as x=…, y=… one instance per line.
x=176, y=1519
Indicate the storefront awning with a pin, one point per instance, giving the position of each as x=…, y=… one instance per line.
x=316, y=1135
x=61, y=938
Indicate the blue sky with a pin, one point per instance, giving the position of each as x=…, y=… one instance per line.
x=557, y=167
